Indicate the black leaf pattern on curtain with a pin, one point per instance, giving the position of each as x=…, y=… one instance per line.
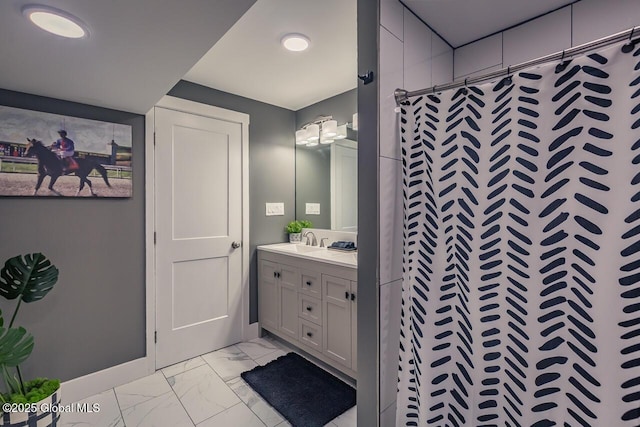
x=630, y=278
x=521, y=284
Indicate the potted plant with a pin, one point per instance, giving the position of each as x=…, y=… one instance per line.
x=27, y=278
x=294, y=228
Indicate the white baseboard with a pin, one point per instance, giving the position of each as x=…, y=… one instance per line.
x=253, y=331
x=97, y=382
x=82, y=387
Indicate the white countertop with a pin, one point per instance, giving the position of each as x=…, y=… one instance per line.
x=345, y=259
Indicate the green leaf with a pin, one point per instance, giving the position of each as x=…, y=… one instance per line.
x=29, y=277
x=16, y=346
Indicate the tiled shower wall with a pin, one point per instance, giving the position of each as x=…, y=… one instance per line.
x=412, y=57
x=572, y=25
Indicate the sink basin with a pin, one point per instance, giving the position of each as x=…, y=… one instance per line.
x=296, y=248
x=347, y=259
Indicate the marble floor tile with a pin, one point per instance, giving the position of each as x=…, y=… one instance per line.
x=141, y=390
x=181, y=367
x=348, y=419
x=108, y=416
x=269, y=357
x=164, y=410
x=258, y=348
x=239, y=415
x=269, y=416
x=202, y=393
x=229, y=362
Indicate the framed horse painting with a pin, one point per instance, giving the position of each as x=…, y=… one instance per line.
x=45, y=154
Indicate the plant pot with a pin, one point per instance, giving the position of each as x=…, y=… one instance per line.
x=50, y=417
x=295, y=237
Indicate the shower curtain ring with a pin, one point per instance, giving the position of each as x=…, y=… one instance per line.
x=562, y=59
x=630, y=44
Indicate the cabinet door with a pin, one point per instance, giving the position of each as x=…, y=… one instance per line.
x=336, y=312
x=289, y=279
x=354, y=326
x=268, y=295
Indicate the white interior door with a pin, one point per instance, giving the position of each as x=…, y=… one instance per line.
x=199, y=276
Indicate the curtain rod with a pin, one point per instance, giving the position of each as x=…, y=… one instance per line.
x=402, y=95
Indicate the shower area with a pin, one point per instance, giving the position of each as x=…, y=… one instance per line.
x=516, y=301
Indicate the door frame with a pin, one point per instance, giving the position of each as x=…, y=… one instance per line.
x=191, y=107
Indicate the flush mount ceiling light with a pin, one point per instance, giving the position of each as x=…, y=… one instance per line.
x=56, y=21
x=295, y=42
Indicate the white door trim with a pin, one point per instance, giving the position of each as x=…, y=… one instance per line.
x=178, y=104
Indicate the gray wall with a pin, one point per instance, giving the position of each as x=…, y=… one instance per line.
x=313, y=184
x=368, y=210
x=94, y=318
x=271, y=167
x=313, y=165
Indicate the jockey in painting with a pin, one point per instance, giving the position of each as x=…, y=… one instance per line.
x=65, y=149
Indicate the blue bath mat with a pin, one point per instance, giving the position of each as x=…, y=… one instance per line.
x=303, y=393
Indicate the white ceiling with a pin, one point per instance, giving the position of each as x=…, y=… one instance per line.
x=463, y=21
x=138, y=50
x=250, y=61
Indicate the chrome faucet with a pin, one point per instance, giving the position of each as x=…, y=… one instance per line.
x=313, y=242
x=322, y=245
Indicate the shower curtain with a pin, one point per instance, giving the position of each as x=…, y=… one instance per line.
x=521, y=293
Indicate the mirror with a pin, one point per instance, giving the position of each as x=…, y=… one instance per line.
x=327, y=184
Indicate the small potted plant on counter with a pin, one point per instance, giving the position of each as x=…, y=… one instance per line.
x=25, y=403
x=294, y=228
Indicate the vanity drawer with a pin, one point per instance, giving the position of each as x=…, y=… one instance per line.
x=311, y=284
x=310, y=308
x=310, y=334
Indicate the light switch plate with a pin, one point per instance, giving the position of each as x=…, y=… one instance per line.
x=274, y=209
x=312, y=209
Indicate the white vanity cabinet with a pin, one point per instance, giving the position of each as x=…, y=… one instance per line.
x=280, y=299
x=312, y=304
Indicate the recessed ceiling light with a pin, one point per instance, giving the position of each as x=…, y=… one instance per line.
x=295, y=42
x=56, y=21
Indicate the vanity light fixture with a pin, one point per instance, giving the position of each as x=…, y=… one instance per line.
x=56, y=21
x=329, y=128
x=295, y=42
x=313, y=132
x=301, y=137
x=323, y=130
x=326, y=140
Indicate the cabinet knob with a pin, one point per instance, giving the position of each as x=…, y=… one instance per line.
x=308, y=283
x=353, y=297
x=308, y=308
x=346, y=295
x=309, y=334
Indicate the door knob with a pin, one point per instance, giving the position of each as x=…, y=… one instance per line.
x=236, y=245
